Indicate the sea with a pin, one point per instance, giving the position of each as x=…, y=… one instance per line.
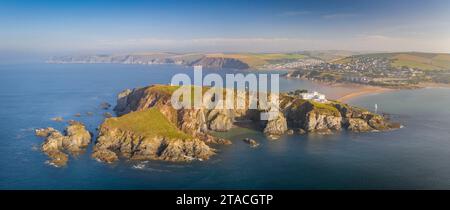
x=413, y=157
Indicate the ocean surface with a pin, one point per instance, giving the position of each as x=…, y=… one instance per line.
x=414, y=157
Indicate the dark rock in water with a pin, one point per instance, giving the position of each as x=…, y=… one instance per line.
x=273, y=136
x=77, y=115
x=251, y=142
x=57, y=119
x=105, y=105
x=325, y=131
x=58, y=158
x=290, y=132
x=105, y=155
x=107, y=115
x=301, y=131
x=396, y=125
x=209, y=139
x=223, y=141
x=76, y=138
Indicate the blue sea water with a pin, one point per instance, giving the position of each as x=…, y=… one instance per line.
x=414, y=157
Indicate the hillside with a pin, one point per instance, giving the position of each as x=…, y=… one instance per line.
x=418, y=60
x=259, y=60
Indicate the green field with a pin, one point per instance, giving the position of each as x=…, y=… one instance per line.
x=425, y=61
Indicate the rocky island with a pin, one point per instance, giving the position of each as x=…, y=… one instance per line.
x=147, y=127
x=57, y=145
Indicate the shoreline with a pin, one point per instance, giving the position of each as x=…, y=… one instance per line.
x=363, y=90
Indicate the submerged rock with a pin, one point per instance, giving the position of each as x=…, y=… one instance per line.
x=107, y=115
x=57, y=119
x=301, y=131
x=105, y=105
x=251, y=142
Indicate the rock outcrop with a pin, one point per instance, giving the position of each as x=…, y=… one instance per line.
x=56, y=145
x=276, y=127
x=325, y=118
x=147, y=135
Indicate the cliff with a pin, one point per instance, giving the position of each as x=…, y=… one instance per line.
x=144, y=135
x=148, y=127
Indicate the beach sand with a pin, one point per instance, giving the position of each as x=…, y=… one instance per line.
x=361, y=90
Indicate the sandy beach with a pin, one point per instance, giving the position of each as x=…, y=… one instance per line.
x=360, y=90
x=363, y=90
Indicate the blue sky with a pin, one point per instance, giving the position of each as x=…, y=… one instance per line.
x=232, y=26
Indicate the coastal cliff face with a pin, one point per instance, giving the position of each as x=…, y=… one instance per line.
x=148, y=127
x=294, y=113
x=147, y=135
x=332, y=116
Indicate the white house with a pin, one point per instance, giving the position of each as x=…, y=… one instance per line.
x=316, y=96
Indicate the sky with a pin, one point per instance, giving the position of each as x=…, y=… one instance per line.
x=62, y=27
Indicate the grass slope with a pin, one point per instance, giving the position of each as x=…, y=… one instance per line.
x=149, y=123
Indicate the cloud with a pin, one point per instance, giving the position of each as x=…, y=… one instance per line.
x=217, y=44
x=361, y=42
x=294, y=13
x=339, y=15
x=400, y=43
